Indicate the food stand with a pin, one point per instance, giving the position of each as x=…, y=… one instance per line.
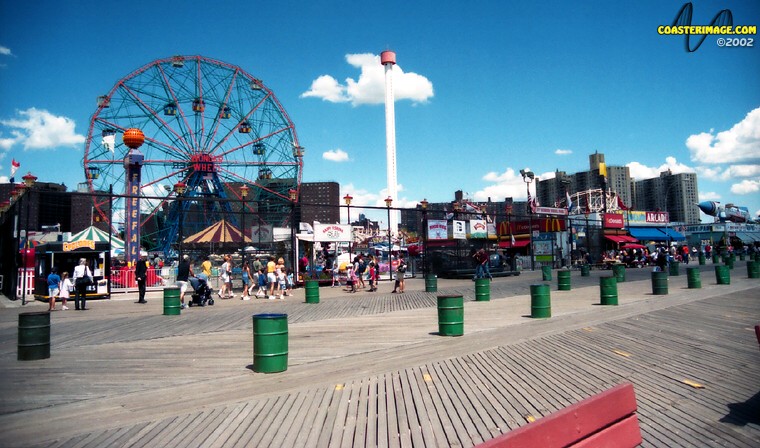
x=65, y=256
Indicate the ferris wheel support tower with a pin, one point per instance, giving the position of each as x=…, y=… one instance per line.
x=388, y=59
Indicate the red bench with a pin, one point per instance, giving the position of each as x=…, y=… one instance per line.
x=607, y=419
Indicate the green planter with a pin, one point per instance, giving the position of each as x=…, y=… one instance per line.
x=312, y=291
x=450, y=315
x=540, y=301
x=270, y=343
x=693, y=279
x=619, y=271
x=171, y=301
x=660, y=283
x=482, y=290
x=608, y=294
x=431, y=283
x=722, y=275
x=563, y=281
x=33, y=336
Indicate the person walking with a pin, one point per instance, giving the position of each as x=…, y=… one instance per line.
x=82, y=279
x=141, y=275
x=54, y=284
x=65, y=290
x=225, y=274
x=246, y=276
x=184, y=271
x=400, y=272
x=271, y=277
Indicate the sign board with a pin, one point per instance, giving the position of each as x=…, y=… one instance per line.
x=332, y=233
x=264, y=234
x=437, y=229
x=613, y=221
x=478, y=228
x=458, y=230
x=657, y=217
x=551, y=211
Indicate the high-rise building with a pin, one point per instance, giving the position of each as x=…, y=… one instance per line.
x=676, y=194
x=320, y=202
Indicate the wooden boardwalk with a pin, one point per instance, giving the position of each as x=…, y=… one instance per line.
x=368, y=370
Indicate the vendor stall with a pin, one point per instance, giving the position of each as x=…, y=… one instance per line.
x=64, y=257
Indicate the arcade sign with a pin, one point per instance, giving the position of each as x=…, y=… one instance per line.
x=657, y=217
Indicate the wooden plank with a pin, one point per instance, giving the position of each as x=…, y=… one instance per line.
x=411, y=408
x=402, y=417
x=310, y=433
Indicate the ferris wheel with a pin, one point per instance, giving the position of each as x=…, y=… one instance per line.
x=209, y=127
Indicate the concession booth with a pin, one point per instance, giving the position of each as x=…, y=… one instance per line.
x=65, y=256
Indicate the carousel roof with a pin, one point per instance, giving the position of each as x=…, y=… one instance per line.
x=97, y=235
x=220, y=232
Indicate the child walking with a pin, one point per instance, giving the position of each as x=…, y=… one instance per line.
x=65, y=290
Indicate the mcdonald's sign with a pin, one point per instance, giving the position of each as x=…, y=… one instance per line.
x=507, y=228
x=552, y=225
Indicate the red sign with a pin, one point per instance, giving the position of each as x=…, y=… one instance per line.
x=613, y=221
x=507, y=228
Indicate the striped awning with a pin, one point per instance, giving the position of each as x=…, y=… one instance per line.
x=220, y=232
x=99, y=236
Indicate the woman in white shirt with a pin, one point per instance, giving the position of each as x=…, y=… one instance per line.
x=82, y=271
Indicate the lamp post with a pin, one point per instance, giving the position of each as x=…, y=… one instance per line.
x=424, y=204
x=180, y=188
x=29, y=180
x=528, y=177
x=293, y=193
x=244, y=195
x=566, y=183
x=388, y=203
x=348, y=198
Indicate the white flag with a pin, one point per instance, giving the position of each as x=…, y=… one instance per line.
x=109, y=141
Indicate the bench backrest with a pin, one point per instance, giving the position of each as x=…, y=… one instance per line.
x=605, y=419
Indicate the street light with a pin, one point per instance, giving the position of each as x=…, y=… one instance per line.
x=424, y=205
x=244, y=195
x=348, y=198
x=293, y=193
x=180, y=188
x=528, y=177
x=566, y=182
x=388, y=203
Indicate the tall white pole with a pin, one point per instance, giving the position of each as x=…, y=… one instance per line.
x=388, y=59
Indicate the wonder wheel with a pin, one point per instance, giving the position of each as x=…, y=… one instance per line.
x=210, y=129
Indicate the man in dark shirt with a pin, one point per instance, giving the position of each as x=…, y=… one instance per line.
x=141, y=275
x=184, y=271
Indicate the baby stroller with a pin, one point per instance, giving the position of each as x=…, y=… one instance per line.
x=202, y=294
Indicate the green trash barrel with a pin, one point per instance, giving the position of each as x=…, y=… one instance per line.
x=540, y=301
x=673, y=269
x=431, y=283
x=608, y=294
x=482, y=290
x=694, y=281
x=33, y=336
x=171, y=301
x=741, y=257
x=753, y=269
x=619, y=271
x=722, y=275
x=312, y=291
x=546, y=272
x=660, y=283
x=585, y=270
x=730, y=261
x=270, y=343
x=702, y=260
x=716, y=259
x=563, y=281
x=450, y=315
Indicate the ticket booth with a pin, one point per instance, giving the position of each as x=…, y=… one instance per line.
x=64, y=257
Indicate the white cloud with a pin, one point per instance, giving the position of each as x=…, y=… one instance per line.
x=709, y=196
x=4, y=179
x=741, y=143
x=5, y=51
x=370, y=87
x=707, y=172
x=640, y=171
x=563, y=152
x=746, y=187
x=735, y=171
x=39, y=129
x=335, y=155
x=508, y=184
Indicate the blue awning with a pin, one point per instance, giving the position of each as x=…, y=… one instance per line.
x=647, y=234
x=672, y=234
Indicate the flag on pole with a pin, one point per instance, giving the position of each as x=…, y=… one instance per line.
x=109, y=140
x=532, y=203
x=14, y=167
x=513, y=240
x=621, y=204
x=569, y=202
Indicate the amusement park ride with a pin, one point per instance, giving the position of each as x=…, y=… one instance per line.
x=209, y=127
x=723, y=213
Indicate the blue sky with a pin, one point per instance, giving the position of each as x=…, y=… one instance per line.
x=488, y=88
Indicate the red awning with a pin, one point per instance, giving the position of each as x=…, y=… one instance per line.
x=628, y=239
x=615, y=238
x=508, y=244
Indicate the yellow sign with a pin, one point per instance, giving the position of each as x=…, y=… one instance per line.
x=67, y=247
